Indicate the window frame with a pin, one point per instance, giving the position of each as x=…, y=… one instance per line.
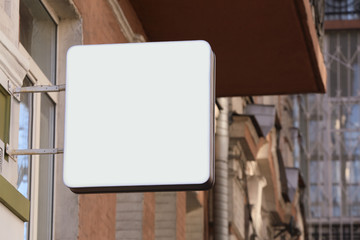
x=37, y=77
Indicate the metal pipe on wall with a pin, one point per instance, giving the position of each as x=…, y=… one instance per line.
x=221, y=222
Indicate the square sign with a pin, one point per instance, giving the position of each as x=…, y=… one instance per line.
x=139, y=117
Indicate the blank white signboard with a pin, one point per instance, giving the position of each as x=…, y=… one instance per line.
x=139, y=117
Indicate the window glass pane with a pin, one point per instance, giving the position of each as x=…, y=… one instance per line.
x=38, y=35
x=46, y=169
x=350, y=139
x=316, y=168
x=335, y=121
x=333, y=78
x=343, y=80
x=332, y=42
x=352, y=172
x=343, y=38
x=25, y=133
x=353, y=41
x=353, y=201
x=313, y=130
x=315, y=211
x=25, y=130
x=336, y=199
x=351, y=116
x=354, y=78
x=335, y=171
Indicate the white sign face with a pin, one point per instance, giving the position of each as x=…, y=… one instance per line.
x=139, y=117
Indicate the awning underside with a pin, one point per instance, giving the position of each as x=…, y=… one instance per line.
x=262, y=47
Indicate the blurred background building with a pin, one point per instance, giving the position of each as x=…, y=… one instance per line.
x=329, y=131
x=263, y=48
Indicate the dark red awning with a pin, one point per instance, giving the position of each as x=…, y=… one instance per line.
x=262, y=47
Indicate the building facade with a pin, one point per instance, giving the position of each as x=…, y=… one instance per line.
x=329, y=127
x=258, y=189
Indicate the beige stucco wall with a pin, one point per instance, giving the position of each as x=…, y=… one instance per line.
x=11, y=227
x=13, y=67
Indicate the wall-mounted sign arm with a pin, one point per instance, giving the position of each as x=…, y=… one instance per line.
x=39, y=89
x=16, y=152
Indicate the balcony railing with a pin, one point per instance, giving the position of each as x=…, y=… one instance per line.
x=342, y=9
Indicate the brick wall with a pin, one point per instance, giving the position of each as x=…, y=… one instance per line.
x=97, y=217
x=97, y=212
x=170, y=215
x=148, y=228
x=165, y=216
x=180, y=215
x=129, y=216
x=99, y=22
x=195, y=224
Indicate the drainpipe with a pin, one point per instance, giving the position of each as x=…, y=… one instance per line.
x=221, y=225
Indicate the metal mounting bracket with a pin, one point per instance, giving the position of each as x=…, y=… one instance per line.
x=16, y=152
x=39, y=89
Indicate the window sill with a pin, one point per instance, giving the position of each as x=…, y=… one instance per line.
x=14, y=200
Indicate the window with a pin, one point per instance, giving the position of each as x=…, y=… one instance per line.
x=25, y=130
x=38, y=33
x=330, y=159
x=46, y=168
x=42, y=166
x=38, y=36
x=25, y=134
x=342, y=59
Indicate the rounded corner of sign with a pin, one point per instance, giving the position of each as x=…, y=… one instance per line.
x=71, y=49
x=205, y=44
x=67, y=182
x=202, y=46
x=74, y=190
x=208, y=184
